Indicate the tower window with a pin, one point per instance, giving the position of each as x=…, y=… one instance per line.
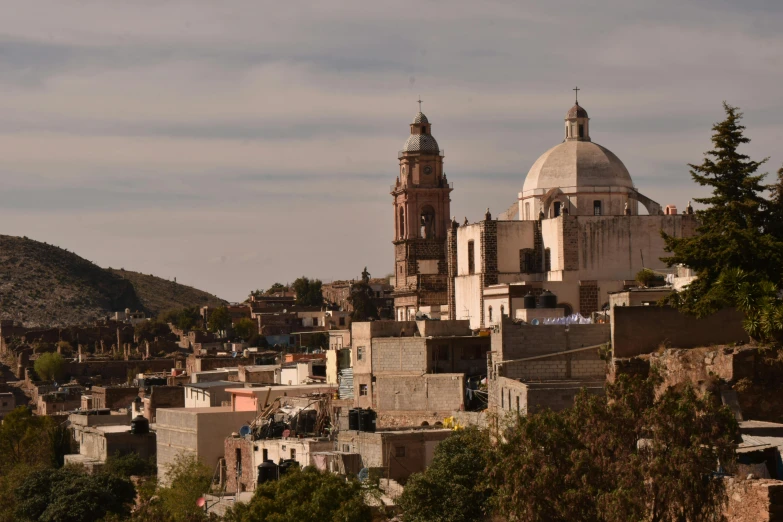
x=428, y=222
x=597, y=207
x=581, y=130
x=402, y=223
x=471, y=258
x=558, y=205
x=424, y=130
x=490, y=314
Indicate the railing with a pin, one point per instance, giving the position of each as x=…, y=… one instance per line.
x=400, y=154
x=394, y=188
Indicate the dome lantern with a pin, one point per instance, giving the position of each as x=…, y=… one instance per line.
x=577, y=122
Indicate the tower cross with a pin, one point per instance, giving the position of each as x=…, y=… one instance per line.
x=576, y=90
x=419, y=103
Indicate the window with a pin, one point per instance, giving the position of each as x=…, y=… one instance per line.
x=399, y=451
x=471, y=258
x=424, y=130
x=265, y=454
x=342, y=321
x=581, y=130
x=377, y=294
x=239, y=461
x=402, y=223
x=502, y=398
x=597, y=207
x=547, y=260
x=527, y=210
x=427, y=222
x=363, y=390
x=346, y=448
x=558, y=205
x=517, y=403
x=360, y=353
x=490, y=314
x=566, y=131
x=293, y=453
x=509, y=399
x=526, y=261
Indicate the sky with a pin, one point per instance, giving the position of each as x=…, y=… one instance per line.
x=234, y=144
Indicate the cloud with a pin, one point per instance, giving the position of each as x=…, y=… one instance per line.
x=162, y=136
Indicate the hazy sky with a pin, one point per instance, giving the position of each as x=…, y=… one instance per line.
x=234, y=144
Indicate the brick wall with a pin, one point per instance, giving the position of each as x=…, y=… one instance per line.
x=451, y=257
x=243, y=479
x=399, y=354
x=579, y=365
x=640, y=330
x=114, y=397
x=588, y=297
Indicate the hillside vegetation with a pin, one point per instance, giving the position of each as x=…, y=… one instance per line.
x=45, y=285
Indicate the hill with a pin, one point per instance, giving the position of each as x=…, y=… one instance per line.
x=158, y=295
x=45, y=285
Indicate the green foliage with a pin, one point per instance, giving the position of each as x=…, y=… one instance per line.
x=258, y=341
x=305, y=496
x=318, y=340
x=739, y=235
x=308, y=292
x=362, y=299
x=129, y=465
x=183, y=318
x=645, y=277
x=452, y=489
x=64, y=347
x=276, y=288
x=245, y=328
x=219, y=319
x=189, y=479
x=626, y=456
x=70, y=495
x=49, y=366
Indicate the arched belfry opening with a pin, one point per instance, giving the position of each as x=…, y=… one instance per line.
x=428, y=223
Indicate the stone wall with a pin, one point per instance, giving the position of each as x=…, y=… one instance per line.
x=754, y=500
x=245, y=478
x=113, y=397
x=640, y=330
x=399, y=354
x=578, y=365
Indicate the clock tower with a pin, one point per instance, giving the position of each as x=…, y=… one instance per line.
x=421, y=221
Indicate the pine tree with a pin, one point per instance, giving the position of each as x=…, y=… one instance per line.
x=731, y=233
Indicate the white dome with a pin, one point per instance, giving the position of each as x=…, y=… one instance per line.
x=577, y=164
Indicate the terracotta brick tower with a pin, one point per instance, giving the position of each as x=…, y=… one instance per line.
x=421, y=222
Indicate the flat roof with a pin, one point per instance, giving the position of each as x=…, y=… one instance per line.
x=209, y=384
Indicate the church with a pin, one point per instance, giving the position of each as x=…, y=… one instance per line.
x=577, y=230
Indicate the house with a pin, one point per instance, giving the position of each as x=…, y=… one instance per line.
x=103, y=436
x=208, y=394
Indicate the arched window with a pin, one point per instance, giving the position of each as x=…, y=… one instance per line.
x=490, y=314
x=581, y=131
x=558, y=206
x=402, y=223
x=428, y=222
x=424, y=130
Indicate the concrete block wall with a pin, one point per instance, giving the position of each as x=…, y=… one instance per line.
x=517, y=341
x=399, y=354
x=431, y=392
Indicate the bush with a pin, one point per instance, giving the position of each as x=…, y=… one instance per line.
x=49, y=366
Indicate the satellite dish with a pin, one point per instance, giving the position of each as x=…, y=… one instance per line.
x=535, y=322
x=244, y=430
x=201, y=502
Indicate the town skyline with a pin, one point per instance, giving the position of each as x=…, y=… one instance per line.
x=233, y=148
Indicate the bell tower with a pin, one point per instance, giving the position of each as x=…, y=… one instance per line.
x=421, y=221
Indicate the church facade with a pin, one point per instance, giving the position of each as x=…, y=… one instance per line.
x=577, y=232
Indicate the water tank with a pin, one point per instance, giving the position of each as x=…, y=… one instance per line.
x=529, y=301
x=140, y=425
x=353, y=418
x=285, y=465
x=267, y=471
x=367, y=420
x=547, y=300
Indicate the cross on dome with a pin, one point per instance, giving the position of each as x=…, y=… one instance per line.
x=576, y=90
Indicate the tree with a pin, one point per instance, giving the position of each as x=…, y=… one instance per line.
x=276, y=288
x=189, y=479
x=731, y=232
x=362, y=299
x=452, y=489
x=219, y=319
x=49, y=366
x=69, y=494
x=24, y=440
x=245, y=328
x=149, y=330
x=257, y=340
x=183, y=318
x=626, y=456
x=305, y=496
x=129, y=465
x=308, y=292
